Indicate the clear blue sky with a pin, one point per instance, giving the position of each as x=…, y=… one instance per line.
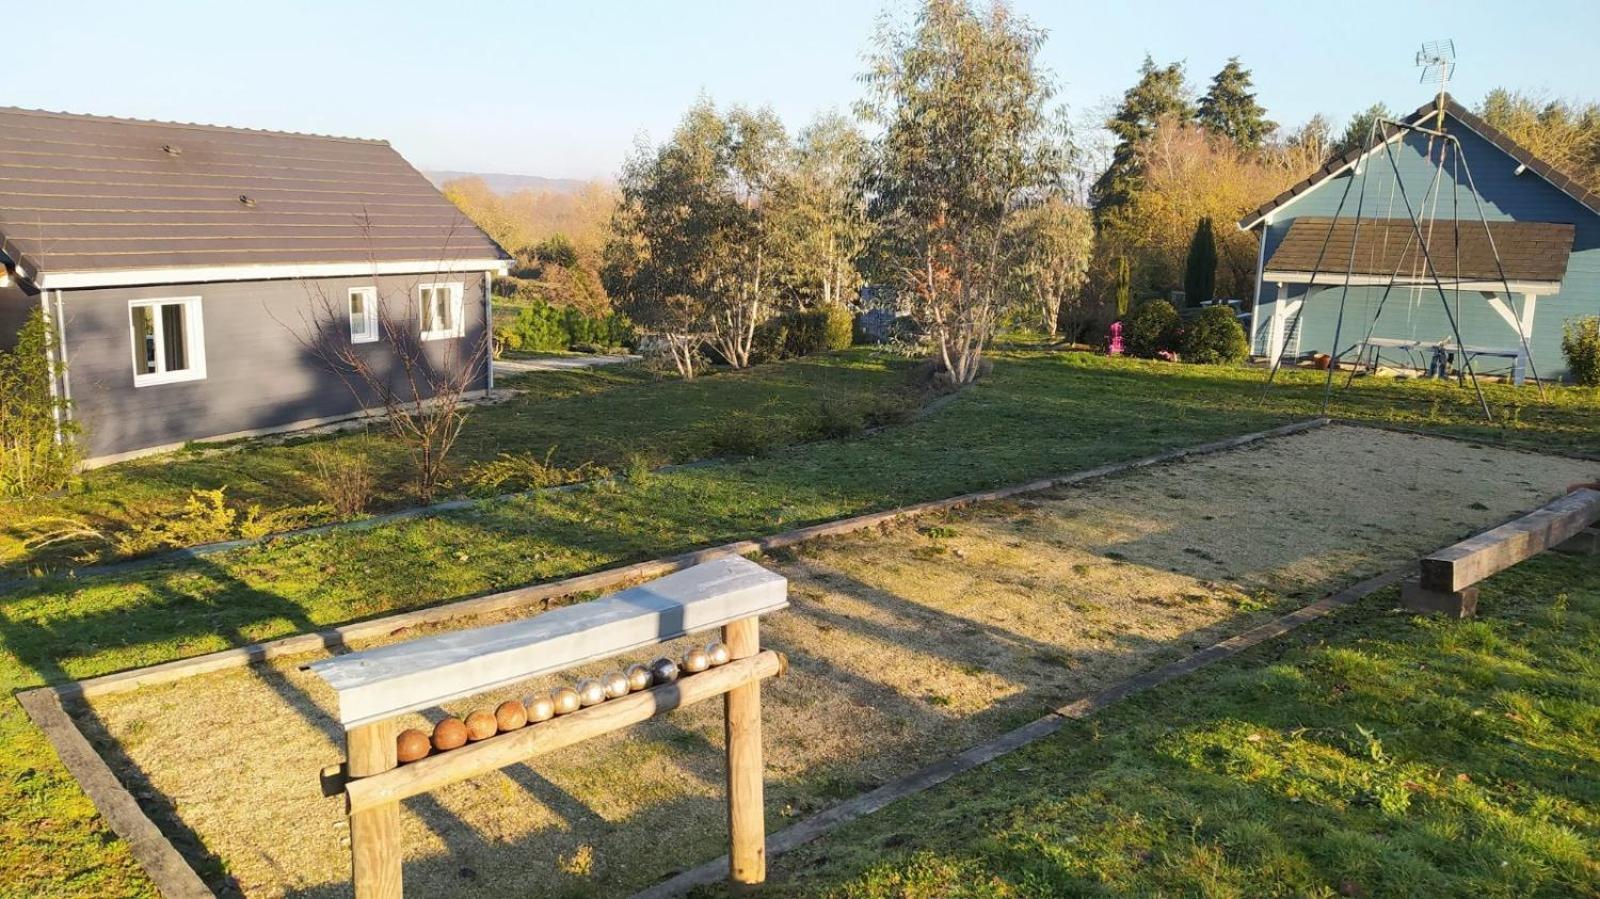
x=562, y=88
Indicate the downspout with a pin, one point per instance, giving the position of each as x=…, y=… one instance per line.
x=50, y=363
x=488, y=332
x=1261, y=262
x=66, y=364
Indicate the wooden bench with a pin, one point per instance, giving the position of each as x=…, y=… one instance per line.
x=1449, y=577
x=377, y=685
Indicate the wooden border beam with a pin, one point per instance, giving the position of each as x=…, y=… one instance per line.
x=509, y=748
x=1455, y=568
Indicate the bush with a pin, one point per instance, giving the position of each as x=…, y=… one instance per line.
x=542, y=328
x=1580, y=343
x=796, y=333
x=1154, y=326
x=343, y=479
x=1214, y=337
x=32, y=459
x=518, y=472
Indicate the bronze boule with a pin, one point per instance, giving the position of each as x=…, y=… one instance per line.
x=566, y=700
x=695, y=661
x=718, y=651
x=638, y=678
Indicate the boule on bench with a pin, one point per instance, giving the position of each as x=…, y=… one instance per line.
x=374, y=687
x=1449, y=577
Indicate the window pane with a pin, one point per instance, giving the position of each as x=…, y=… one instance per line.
x=358, y=314
x=429, y=312
x=447, y=311
x=144, y=341
x=175, y=337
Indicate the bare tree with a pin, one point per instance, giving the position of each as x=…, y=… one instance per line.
x=421, y=368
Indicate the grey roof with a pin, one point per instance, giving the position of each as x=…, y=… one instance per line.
x=1561, y=180
x=1528, y=251
x=83, y=193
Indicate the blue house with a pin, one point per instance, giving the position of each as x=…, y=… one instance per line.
x=1361, y=223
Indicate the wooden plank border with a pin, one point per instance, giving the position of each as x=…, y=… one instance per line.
x=150, y=847
x=523, y=597
x=850, y=810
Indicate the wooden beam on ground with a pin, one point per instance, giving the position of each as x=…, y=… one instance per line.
x=534, y=740
x=151, y=849
x=1455, y=568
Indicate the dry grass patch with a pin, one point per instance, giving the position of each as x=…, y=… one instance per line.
x=907, y=644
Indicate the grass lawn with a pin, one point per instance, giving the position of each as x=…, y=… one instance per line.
x=1370, y=754
x=1037, y=414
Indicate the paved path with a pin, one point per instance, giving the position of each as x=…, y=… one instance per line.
x=558, y=363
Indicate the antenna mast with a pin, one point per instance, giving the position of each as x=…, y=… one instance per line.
x=1437, y=59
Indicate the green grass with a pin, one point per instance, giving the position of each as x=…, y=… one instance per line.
x=1371, y=754
x=1038, y=414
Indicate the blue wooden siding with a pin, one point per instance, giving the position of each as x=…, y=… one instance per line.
x=1417, y=313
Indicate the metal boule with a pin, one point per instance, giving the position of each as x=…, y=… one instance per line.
x=591, y=692
x=540, y=708
x=616, y=685
x=696, y=660
x=638, y=677
x=663, y=671
x=565, y=700
x=718, y=651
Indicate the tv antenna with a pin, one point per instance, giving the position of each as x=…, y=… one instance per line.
x=1437, y=60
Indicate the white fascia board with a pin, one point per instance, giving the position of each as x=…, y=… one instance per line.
x=1274, y=213
x=1337, y=279
x=202, y=274
x=403, y=677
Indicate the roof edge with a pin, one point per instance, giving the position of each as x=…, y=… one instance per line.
x=195, y=126
x=1472, y=122
x=290, y=271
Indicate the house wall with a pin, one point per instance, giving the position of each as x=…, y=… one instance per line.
x=259, y=374
x=1414, y=313
x=15, y=305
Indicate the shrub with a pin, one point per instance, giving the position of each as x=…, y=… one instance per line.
x=745, y=434
x=801, y=332
x=1214, y=336
x=32, y=458
x=343, y=479
x=541, y=327
x=206, y=517
x=515, y=472
x=1154, y=326
x=1580, y=343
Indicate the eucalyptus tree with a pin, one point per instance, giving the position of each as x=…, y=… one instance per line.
x=822, y=212
x=968, y=137
x=745, y=248
x=1050, y=245
x=668, y=231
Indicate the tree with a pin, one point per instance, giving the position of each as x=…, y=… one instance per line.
x=1161, y=94
x=1050, y=245
x=1200, y=271
x=967, y=137
x=661, y=260
x=1358, y=132
x=1229, y=108
x=743, y=248
x=1566, y=135
x=1308, y=146
x=37, y=452
x=821, y=214
x=1124, y=288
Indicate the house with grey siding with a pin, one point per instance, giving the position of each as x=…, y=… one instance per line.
x=1346, y=237
x=195, y=275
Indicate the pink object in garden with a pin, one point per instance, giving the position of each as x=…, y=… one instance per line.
x=1114, y=344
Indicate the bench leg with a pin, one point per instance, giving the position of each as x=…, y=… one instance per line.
x=1463, y=604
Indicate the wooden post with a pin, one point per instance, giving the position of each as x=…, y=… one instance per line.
x=375, y=850
x=747, y=840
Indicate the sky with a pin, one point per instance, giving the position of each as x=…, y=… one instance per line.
x=565, y=89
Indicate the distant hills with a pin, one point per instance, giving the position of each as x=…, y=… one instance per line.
x=509, y=184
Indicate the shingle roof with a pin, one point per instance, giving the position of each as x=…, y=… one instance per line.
x=83, y=193
x=1530, y=251
x=1571, y=186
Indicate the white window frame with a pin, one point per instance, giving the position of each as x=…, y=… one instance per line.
x=370, y=335
x=194, y=342
x=458, y=327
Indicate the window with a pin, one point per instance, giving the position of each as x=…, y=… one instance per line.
x=440, y=310
x=168, y=341
x=363, y=314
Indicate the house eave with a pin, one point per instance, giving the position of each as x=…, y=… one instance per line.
x=1337, y=279
x=297, y=271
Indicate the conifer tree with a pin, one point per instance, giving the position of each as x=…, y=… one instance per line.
x=1200, y=274
x=1229, y=108
x=1161, y=93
